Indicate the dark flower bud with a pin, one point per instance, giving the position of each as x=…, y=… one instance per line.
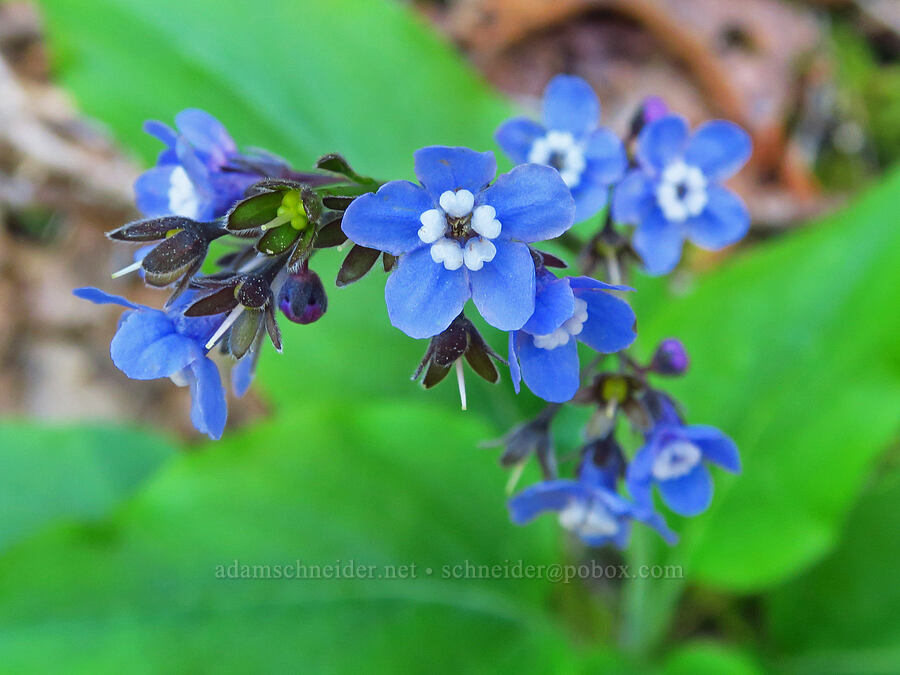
x=460, y=338
x=302, y=299
x=652, y=109
x=670, y=358
x=530, y=438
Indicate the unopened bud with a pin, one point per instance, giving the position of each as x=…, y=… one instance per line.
x=670, y=358
x=302, y=299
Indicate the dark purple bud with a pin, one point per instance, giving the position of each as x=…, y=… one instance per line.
x=670, y=358
x=653, y=109
x=302, y=299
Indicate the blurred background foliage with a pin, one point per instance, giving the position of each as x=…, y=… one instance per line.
x=111, y=534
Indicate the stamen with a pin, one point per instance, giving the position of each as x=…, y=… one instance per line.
x=461, y=381
x=514, y=476
x=226, y=324
x=128, y=270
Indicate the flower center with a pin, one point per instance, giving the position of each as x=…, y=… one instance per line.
x=588, y=520
x=570, y=327
x=458, y=233
x=681, y=193
x=560, y=150
x=675, y=460
x=183, y=198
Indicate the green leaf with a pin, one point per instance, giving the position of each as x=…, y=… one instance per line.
x=50, y=475
x=795, y=354
x=709, y=658
x=142, y=590
x=843, y=616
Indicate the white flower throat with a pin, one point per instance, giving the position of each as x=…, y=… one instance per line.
x=570, y=327
x=450, y=230
x=588, y=520
x=681, y=193
x=560, y=150
x=183, y=198
x=676, y=460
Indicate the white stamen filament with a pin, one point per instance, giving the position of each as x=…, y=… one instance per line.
x=226, y=324
x=128, y=270
x=461, y=381
x=276, y=222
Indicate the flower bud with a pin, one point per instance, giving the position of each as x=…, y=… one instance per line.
x=652, y=109
x=302, y=299
x=670, y=358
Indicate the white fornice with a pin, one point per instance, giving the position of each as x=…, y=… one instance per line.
x=675, y=460
x=681, y=193
x=588, y=521
x=483, y=221
x=183, y=198
x=571, y=326
x=560, y=150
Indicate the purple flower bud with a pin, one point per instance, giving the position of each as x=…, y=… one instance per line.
x=302, y=299
x=653, y=109
x=670, y=358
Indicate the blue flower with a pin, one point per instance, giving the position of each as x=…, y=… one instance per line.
x=589, y=158
x=200, y=174
x=458, y=237
x=544, y=352
x=675, y=459
x=676, y=192
x=589, y=507
x=151, y=344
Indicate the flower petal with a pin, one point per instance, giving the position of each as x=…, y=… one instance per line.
x=440, y=168
x=661, y=142
x=610, y=323
x=209, y=410
x=99, y=297
x=633, y=198
x=422, y=296
x=388, y=220
x=551, y=495
x=689, y=494
x=716, y=446
x=718, y=148
x=551, y=374
x=724, y=221
x=205, y=133
x=590, y=283
x=516, y=136
x=605, y=155
x=151, y=190
x=554, y=303
x=145, y=347
x=532, y=203
x=570, y=104
x=590, y=198
x=658, y=523
x=658, y=242
x=503, y=290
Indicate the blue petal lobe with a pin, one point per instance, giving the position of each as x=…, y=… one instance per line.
x=590, y=198
x=553, y=495
x=553, y=304
x=662, y=142
x=719, y=148
x=610, y=323
x=516, y=136
x=689, y=494
x=658, y=242
x=205, y=133
x=716, y=446
x=532, y=203
x=388, y=220
x=145, y=347
x=515, y=373
x=633, y=198
x=724, y=221
x=99, y=297
x=503, y=290
x=151, y=191
x=551, y=374
x=422, y=296
x=570, y=104
x=209, y=410
x=605, y=155
x=440, y=168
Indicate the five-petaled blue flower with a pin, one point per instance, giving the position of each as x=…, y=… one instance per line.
x=675, y=458
x=590, y=507
x=459, y=237
x=544, y=352
x=675, y=193
x=589, y=158
x=200, y=174
x=151, y=344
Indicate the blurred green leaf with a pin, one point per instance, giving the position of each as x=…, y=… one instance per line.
x=59, y=474
x=139, y=591
x=843, y=616
x=795, y=354
x=709, y=658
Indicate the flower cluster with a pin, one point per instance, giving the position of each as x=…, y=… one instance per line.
x=459, y=233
